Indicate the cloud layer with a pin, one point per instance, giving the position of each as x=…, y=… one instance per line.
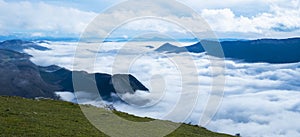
x=279, y=21
x=41, y=19
x=231, y=19
x=260, y=99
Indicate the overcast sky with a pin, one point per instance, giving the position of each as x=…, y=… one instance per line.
x=247, y=19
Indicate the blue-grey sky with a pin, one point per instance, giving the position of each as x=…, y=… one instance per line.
x=228, y=19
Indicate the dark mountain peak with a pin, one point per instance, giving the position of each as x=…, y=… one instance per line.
x=20, y=45
x=50, y=68
x=43, y=41
x=169, y=44
x=167, y=47
x=149, y=46
x=123, y=83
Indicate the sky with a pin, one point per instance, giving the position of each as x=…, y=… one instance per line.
x=247, y=19
x=267, y=94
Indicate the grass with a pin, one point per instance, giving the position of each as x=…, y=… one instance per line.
x=21, y=117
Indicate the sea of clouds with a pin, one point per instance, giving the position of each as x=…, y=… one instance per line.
x=259, y=99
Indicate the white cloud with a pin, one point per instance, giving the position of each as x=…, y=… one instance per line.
x=279, y=21
x=63, y=55
x=37, y=18
x=135, y=18
x=267, y=113
x=229, y=18
x=260, y=99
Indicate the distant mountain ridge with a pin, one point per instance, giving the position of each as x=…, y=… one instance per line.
x=20, y=45
x=262, y=50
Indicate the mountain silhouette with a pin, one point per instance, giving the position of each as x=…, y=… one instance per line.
x=262, y=50
x=21, y=77
x=20, y=45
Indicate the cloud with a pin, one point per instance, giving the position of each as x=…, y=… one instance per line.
x=229, y=18
x=282, y=21
x=66, y=96
x=246, y=8
x=135, y=18
x=267, y=113
x=62, y=54
x=29, y=18
x=260, y=99
x=42, y=19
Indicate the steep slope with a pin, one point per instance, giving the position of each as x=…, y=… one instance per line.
x=25, y=117
x=20, y=77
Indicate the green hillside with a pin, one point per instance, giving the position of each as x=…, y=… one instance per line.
x=26, y=117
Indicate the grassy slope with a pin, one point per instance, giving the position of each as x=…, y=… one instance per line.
x=25, y=117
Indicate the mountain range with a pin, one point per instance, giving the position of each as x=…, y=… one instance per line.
x=21, y=77
x=20, y=45
x=262, y=50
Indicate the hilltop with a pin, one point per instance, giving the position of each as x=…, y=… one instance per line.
x=44, y=117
